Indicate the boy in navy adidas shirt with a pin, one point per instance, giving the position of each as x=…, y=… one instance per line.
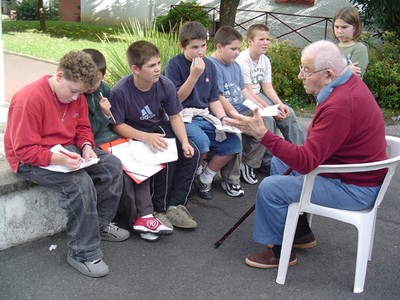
x=146, y=107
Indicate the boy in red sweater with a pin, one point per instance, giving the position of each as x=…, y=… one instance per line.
x=52, y=111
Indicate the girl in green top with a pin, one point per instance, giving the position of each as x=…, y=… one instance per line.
x=347, y=28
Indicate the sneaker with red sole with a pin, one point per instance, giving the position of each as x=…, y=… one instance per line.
x=151, y=224
x=267, y=260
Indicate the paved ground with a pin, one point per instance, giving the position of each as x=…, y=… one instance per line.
x=187, y=266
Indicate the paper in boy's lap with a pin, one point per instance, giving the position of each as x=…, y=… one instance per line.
x=271, y=110
x=137, y=159
x=144, y=154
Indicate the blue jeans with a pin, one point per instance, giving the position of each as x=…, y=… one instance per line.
x=276, y=192
x=202, y=134
x=90, y=197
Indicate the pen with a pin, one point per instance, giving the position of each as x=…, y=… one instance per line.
x=67, y=154
x=112, y=117
x=349, y=60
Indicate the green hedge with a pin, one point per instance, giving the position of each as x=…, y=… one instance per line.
x=383, y=72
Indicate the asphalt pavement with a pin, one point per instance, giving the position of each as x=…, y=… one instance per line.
x=187, y=266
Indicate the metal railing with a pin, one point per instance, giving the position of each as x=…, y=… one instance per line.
x=292, y=23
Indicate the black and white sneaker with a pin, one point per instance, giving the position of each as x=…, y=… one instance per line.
x=233, y=190
x=248, y=174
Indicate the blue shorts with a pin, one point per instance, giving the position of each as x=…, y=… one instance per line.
x=202, y=134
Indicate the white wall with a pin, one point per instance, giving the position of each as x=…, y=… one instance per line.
x=116, y=12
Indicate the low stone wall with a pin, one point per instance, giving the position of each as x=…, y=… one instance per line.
x=27, y=211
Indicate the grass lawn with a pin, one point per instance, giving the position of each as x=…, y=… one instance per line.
x=60, y=37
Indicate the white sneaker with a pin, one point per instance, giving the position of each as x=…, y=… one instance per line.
x=149, y=237
x=233, y=190
x=248, y=174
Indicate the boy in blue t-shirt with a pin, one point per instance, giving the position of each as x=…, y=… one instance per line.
x=136, y=198
x=195, y=78
x=146, y=108
x=233, y=92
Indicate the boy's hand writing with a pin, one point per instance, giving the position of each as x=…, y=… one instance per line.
x=71, y=160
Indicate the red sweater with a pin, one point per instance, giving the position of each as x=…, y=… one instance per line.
x=34, y=125
x=347, y=128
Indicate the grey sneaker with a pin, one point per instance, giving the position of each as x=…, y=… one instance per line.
x=96, y=268
x=180, y=217
x=162, y=217
x=204, y=189
x=201, y=167
x=112, y=233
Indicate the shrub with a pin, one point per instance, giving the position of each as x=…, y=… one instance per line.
x=117, y=65
x=284, y=59
x=190, y=11
x=28, y=10
x=383, y=72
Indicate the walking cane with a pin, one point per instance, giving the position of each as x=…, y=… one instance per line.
x=240, y=221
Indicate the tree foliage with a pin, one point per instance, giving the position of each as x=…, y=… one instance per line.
x=380, y=15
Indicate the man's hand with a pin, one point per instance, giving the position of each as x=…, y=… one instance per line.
x=253, y=126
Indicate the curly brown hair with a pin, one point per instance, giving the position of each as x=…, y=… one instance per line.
x=78, y=66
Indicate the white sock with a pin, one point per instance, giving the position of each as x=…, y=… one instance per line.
x=207, y=176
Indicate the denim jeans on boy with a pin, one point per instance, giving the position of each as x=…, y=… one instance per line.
x=90, y=197
x=202, y=134
x=276, y=192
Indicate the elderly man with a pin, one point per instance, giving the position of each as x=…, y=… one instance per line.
x=347, y=128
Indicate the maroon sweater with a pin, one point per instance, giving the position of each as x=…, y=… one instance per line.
x=347, y=128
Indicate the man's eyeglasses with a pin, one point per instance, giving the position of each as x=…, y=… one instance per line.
x=309, y=74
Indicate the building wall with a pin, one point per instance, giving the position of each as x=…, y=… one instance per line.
x=116, y=12
x=69, y=10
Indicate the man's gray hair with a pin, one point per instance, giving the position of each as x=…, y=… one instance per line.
x=326, y=55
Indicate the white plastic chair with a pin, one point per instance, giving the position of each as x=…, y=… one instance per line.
x=364, y=220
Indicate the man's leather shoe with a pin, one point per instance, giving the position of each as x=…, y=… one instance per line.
x=306, y=242
x=267, y=260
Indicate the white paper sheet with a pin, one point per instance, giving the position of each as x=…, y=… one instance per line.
x=64, y=169
x=271, y=110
